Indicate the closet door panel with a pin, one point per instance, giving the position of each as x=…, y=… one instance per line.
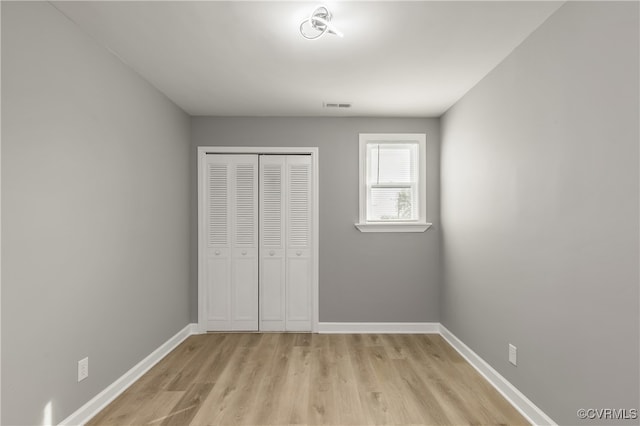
x=272, y=236
x=218, y=208
x=232, y=242
x=298, y=293
x=298, y=238
x=244, y=299
x=244, y=256
x=218, y=295
x=272, y=294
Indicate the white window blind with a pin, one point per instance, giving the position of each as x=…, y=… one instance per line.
x=392, y=181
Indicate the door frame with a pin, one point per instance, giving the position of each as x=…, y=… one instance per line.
x=203, y=151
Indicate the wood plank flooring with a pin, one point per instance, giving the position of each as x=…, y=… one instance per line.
x=311, y=379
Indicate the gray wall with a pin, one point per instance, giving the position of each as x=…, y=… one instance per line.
x=540, y=212
x=364, y=277
x=95, y=215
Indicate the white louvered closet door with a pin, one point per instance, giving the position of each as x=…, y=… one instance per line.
x=272, y=242
x=285, y=243
x=232, y=242
x=298, y=243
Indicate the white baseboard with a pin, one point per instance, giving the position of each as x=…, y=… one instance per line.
x=521, y=403
x=97, y=403
x=379, y=327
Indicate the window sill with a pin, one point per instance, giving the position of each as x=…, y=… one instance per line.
x=392, y=227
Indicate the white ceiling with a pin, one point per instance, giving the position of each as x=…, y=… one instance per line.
x=247, y=58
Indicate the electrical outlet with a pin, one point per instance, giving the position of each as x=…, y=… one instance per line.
x=83, y=369
x=513, y=354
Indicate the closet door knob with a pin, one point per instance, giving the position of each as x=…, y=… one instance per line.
x=217, y=252
x=271, y=253
x=244, y=252
x=298, y=253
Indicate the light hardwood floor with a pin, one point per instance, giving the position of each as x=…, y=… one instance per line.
x=314, y=379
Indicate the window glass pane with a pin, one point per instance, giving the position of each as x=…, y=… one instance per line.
x=391, y=204
x=392, y=162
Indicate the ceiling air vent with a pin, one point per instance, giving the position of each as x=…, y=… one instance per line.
x=336, y=105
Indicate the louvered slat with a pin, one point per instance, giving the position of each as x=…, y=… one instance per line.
x=272, y=205
x=245, y=205
x=299, y=223
x=217, y=199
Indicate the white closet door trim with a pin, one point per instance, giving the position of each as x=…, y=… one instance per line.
x=202, y=241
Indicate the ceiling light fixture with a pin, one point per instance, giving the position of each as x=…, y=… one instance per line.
x=319, y=22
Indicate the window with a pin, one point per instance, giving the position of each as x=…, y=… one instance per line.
x=392, y=183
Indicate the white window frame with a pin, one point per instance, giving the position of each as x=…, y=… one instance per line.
x=419, y=225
